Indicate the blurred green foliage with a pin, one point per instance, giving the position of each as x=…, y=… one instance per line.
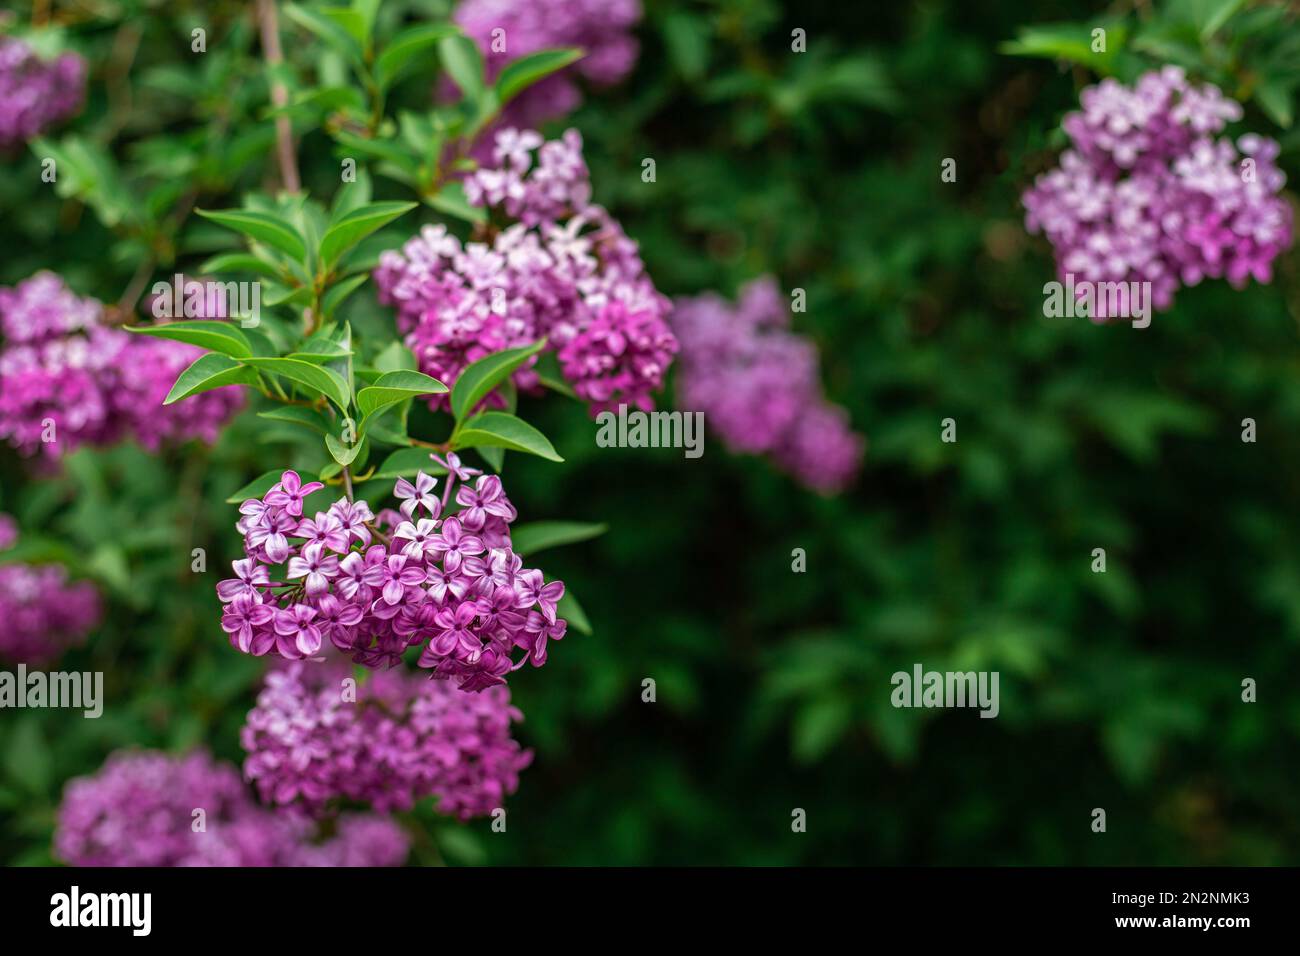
x=1119, y=690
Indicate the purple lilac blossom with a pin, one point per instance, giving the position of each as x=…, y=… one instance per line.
x=315, y=737
x=758, y=385
x=564, y=270
x=1148, y=194
x=139, y=810
x=440, y=575
x=96, y=384
x=35, y=94
x=506, y=30
x=42, y=614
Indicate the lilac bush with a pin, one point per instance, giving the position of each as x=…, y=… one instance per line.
x=315, y=737
x=508, y=29
x=42, y=613
x=373, y=585
x=36, y=94
x=68, y=379
x=562, y=269
x=140, y=809
x=1147, y=193
x=758, y=385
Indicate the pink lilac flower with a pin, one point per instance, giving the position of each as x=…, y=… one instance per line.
x=140, y=810
x=563, y=270
x=758, y=385
x=601, y=28
x=67, y=379
x=42, y=614
x=1147, y=193
x=316, y=738
x=441, y=575
x=36, y=94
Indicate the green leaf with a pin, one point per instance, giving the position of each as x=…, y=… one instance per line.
x=686, y=37
x=315, y=378
x=486, y=374
x=502, y=430
x=352, y=195
x=464, y=64
x=229, y=262
x=1071, y=42
x=27, y=759
x=522, y=73
x=819, y=725
x=393, y=387
x=210, y=371
x=343, y=454
x=1275, y=100
x=341, y=28
x=394, y=358
x=355, y=226
x=263, y=483
x=298, y=415
x=223, y=337
x=405, y=47
x=540, y=535
x=569, y=609
x=322, y=347
x=340, y=291
x=264, y=227
x=405, y=462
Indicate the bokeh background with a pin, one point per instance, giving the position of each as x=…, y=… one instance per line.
x=1119, y=690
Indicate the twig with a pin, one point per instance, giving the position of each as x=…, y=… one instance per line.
x=270, y=31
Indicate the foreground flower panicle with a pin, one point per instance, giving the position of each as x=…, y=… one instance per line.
x=564, y=270
x=506, y=30
x=316, y=737
x=758, y=385
x=374, y=585
x=36, y=94
x=67, y=379
x=42, y=614
x=146, y=808
x=1148, y=194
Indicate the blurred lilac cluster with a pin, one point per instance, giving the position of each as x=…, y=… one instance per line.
x=564, y=269
x=67, y=379
x=315, y=736
x=145, y=808
x=42, y=614
x=35, y=94
x=1148, y=194
x=758, y=385
x=506, y=30
x=374, y=585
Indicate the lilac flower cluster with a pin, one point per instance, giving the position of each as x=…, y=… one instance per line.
x=758, y=385
x=315, y=737
x=506, y=30
x=1148, y=194
x=41, y=613
x=139, y=810
x=67, y=379
x=35, y=94
x=374, y=585
x=564, y=269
